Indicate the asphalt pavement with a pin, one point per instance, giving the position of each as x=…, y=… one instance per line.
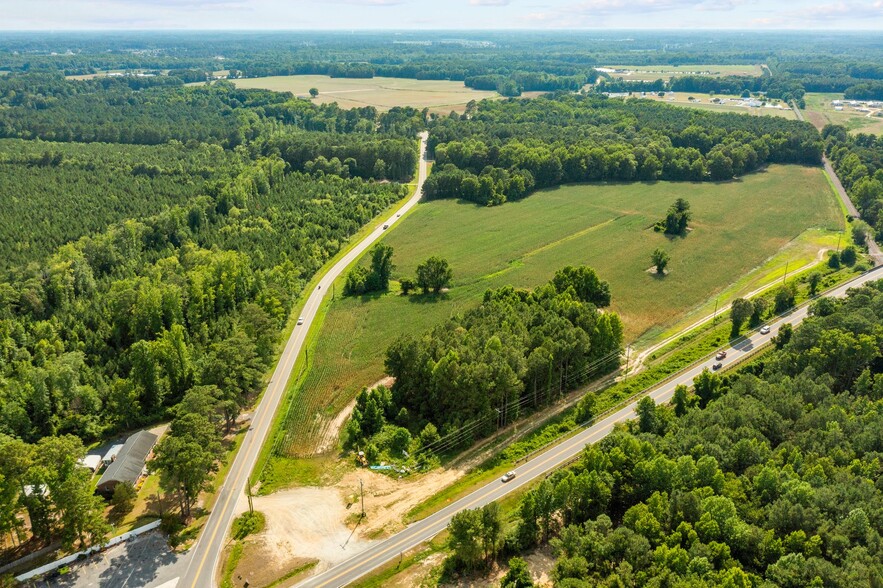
x=204, y=561
x=375, y=556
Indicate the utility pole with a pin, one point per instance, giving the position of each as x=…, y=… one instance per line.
x=248, y=493
x=838, y=243
x=714, y=317
x=785, y=277
x=362, y=493
x=628, y=352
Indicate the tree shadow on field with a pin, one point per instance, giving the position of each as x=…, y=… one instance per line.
x=428, y=298
x=372, y=296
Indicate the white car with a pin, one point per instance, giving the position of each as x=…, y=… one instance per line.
x=300, y=321
x=508, y=476
x=765, y=330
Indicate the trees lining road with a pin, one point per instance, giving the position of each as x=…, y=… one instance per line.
x=205, y=555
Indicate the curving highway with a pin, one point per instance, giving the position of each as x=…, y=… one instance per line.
x=204, y=557
x=559, y=455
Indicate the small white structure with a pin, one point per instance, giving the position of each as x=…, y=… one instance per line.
x=836, y=102
x=112, y=454
x=838, y=108
x=91, y=462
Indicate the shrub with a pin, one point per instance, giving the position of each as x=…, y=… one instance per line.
x=248, y=524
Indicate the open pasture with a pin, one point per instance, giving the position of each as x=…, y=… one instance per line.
x=738, y=226
x=382, y=93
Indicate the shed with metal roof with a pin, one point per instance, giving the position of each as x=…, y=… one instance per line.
x=129, y=464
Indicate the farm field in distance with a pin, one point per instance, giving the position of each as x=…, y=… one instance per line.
x=666, y=72
x=383, y=93
x=737, y=227
x=731, y=104
x=820, y=112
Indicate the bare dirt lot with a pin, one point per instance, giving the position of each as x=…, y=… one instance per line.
x=321, y=523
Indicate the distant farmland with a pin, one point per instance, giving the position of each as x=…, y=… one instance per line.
x=666, y=72
x=382, y=93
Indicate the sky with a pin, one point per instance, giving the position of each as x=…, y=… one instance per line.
x=440, y=14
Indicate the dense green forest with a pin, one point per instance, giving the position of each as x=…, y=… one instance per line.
x=53, y=193
x=113, y=328
x=770, y=477
x=308, y=136
x=517, y=351
x=501, y=150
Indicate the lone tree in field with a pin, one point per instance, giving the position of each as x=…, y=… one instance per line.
x=660, y=260
x=434, y=274
x=314, y=92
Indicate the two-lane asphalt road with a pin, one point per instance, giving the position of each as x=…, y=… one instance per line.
x=380, y=553
x=205, y=555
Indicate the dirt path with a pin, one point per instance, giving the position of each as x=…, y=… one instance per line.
x=331, y=429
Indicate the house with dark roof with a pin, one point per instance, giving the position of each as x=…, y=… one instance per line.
x=129, y=463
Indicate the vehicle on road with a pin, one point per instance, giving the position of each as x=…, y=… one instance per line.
x=720, y=355
x=765, y=330
x=717, y=366
x=300, y=321
x=507, y=476
x=385, y=227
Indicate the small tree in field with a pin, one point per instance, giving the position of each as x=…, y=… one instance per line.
x=434, y=274
x=660, y=260
x=407, y=284
x=314, y=92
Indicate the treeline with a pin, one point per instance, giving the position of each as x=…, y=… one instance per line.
x=53, y=193
x=858, y=161
x=111, y=110
x=517, y=351
x=503, y=150
x=362, y=156
x=769, y=477
x=115, y=328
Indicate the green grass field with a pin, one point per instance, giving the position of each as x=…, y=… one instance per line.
x=738, y=228
x=819, y=111
x=382, y=93
x=666, y=72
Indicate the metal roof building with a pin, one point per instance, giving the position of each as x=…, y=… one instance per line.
x=129, y=464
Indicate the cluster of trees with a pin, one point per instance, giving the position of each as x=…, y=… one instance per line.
x=676, y=219
x=361, y=279
x=187, y=455
x=517, y=351
x=771, y=476
x=858, y=161
x=114, y=328
x=46, y=480
x=354, y=155
x=499, y=150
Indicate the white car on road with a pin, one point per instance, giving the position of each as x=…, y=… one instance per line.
x=765, y=330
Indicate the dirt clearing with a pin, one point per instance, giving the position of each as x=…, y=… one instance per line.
x=320, y=523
